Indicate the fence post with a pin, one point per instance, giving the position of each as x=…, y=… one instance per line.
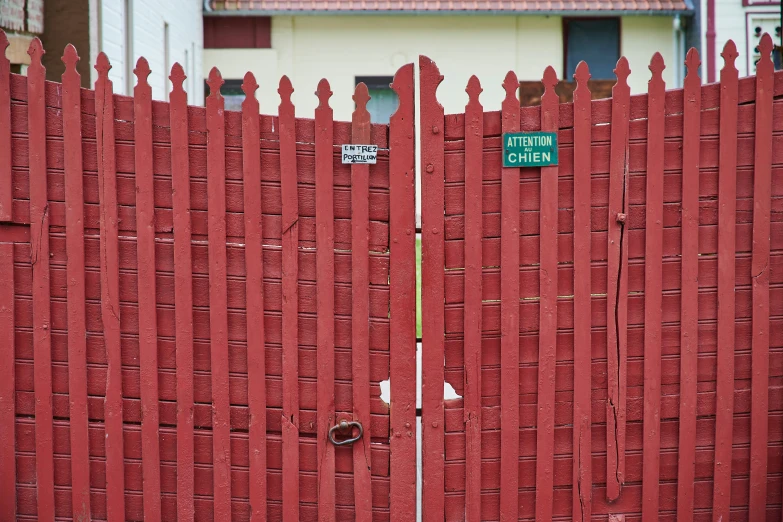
x=617, y=288
x=509, y=312
x=324, y=242
x=290, y=269
x=74, y=244
x=582, y=466
x=110, y=290
x=6, y=187
x=218, y=298
x=254, y=291
x=148, y=324
x=689, y=316
x=727, y=225
x=762, y=190
x=432, y=292
x=402, y=296
x=474, y=173
x=183, y=291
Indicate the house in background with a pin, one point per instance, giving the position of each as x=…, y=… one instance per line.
x=21, y=20
x=347, y=42
x=164, y=32
x=744, y=21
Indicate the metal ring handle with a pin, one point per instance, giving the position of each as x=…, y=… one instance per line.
x=345, y=426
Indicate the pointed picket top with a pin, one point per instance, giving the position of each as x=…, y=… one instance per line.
x=249, y=85
x=765, y=45
x=729, y=54
x=285, y=90
x=511, y=85
x=361, y=96
x=550, y=79
x=474, y=90
x=142, y=71
x=70, y=58
x=36, y=52
x=582, y=74
x=215, y=81
x=622, y=70
x=4, y=43
x=102, y=65
x=656, y=65
x=177, y=77
x=323, y=92
x=692, y=61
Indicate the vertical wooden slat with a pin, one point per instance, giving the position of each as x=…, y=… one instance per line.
x=39, y=245
x=110, y=289
x=7, y=385
x=254, y=269
x=547, y=335
x=727, y=203
x=183, y=292
x=617, y=285
x=762, y=189
x=360, y=305
x=432, y=292
x=689, y=315
x=474, y=139
x=6, y=187
x=582, y=466
x=218, y=297
x=148, y=325
x=653, y=288
x=74, y=244
x=324, y=242
x=509, y=311
x=290, y=235
x=402, y=296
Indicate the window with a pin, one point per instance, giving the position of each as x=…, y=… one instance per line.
x=237, y=32
x=594, y=40
x=232, y=94
x=383, y=100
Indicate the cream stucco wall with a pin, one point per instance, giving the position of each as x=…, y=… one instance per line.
x=339, y=48
x=640, y=38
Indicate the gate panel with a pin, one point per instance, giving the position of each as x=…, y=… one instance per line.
x=204, y=234
x=642, y=381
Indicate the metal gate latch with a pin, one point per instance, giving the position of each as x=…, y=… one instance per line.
x=345, y=427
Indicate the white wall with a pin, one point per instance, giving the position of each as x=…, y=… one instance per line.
x=148, y=17
x=339, y=48
x=735, y=22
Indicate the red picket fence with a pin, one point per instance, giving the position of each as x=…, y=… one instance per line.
x=162, y=268
x=614, y=323
x=191, y=299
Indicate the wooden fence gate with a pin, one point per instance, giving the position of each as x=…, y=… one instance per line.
x=162, y=268
x=613, y=323
x=192, y=301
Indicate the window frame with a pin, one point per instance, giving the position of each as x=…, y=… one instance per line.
x=565, y=30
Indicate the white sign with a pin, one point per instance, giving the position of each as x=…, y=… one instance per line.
x=360, y=154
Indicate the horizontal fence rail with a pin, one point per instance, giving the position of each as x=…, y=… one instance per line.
x=181, y=323
x=612, y=322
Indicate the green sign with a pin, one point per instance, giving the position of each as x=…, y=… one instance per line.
x=529, y=149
